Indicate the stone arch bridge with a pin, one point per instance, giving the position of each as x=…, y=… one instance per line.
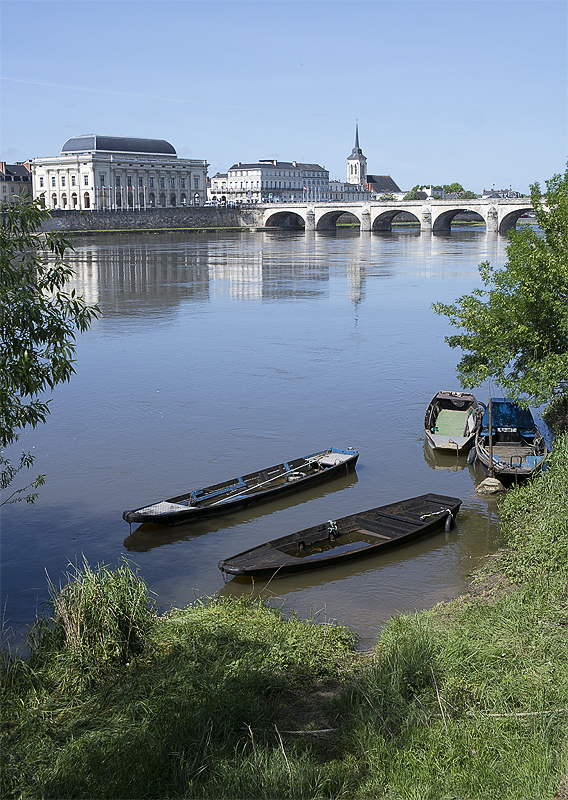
x=498, y=214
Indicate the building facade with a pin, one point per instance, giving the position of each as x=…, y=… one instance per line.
x=117, y=173
x=16, y=181
x=270, y=181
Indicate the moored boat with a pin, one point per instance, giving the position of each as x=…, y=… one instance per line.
x=508, y=444
x=356, y=536
x=451, y=421
x=247, y=490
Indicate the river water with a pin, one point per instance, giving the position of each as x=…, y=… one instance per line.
x=221, y=353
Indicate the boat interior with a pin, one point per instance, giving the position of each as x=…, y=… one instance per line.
x=451, y=415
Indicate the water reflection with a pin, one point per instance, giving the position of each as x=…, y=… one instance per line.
x=148, y=536
x=443, y=460
x=217, y=352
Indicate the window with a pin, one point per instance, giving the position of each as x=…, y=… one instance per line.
x=183, y=183
x=86, y=182
x=196, y=182
x=129, y=182
x=63, y=180
x=172, y=183
x=53, y=180
x=41, y=182
x=117, y=181
x=151, y=183
x=102, y=178
x=72, y=180
x=163, y=186
x=140, y=183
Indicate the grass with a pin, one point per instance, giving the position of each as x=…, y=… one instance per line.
x=229, y=699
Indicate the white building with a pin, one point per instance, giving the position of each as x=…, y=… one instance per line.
x=118, y=173
x=270, y=181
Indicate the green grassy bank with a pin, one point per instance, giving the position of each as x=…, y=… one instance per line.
x=229, y=699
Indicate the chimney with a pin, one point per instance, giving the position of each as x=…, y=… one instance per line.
x=275, y=162
x=294, y=164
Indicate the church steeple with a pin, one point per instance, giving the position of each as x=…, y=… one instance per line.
x=357, y=163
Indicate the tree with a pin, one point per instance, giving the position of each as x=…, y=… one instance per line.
x=453, y=188
x=516, y=327
x=38, y=320
x=412, y=195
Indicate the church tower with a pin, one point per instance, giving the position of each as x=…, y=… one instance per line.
x=357, y=163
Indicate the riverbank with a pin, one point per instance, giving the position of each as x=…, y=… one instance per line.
x=231, y=699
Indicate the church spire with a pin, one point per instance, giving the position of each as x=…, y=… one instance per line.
x=357, y=163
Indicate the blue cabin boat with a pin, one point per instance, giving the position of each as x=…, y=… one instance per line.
x=518, y=448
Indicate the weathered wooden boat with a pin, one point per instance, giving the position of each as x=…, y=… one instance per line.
x=508, y=445
x=367, y=533
x=247, y=490
x=452, y=420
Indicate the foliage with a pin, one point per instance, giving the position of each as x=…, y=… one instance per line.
x=38, y=320
x=412, y=195
x=453, y=188
x=516, y=327
x=468, y=195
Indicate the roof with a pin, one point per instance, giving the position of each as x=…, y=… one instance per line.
x=382, y=183
x=16, y=171
x=120, y=144
x=278, y=165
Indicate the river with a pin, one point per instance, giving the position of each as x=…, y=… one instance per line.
x=221, y=353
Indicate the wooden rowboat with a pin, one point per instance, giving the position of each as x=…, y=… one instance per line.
x=247, y=490
x=451, y=421
x=511, y=447
x=367, y=533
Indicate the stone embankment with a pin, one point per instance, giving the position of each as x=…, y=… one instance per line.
x=148, y=220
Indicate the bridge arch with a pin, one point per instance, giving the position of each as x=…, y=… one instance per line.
x=384, y=219
x=288, y=220
x=443, y=221
x=510, y=220
x=328, y=220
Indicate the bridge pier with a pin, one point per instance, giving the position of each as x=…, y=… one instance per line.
x=426, y=221
x=366, y=220
x=492, y=220
x=310, y=220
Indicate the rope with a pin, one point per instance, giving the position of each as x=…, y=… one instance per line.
x=436, y=513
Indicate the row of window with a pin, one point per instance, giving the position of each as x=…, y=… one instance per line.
x=281, y=173
x=130, y=201
x=102, y=179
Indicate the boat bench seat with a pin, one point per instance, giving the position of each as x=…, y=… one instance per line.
x=388, y=527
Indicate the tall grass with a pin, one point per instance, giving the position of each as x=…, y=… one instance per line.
x=99, y=619
x=230, y=699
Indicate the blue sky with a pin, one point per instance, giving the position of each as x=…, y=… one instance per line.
x=449, y=90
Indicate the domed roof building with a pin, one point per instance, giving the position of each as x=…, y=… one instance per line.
x=118, y=173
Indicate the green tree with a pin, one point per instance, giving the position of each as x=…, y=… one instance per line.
x=453, y=188
x=515, y=329
x=38, y=320
x=412, y=195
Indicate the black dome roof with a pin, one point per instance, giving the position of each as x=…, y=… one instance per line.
x=121, y=144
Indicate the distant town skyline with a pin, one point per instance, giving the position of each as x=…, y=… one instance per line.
x=470, y=91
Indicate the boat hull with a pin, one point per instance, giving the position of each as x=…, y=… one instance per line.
x=452, y=420
x=518, y=447
x=234, y=495
x=350, y=538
